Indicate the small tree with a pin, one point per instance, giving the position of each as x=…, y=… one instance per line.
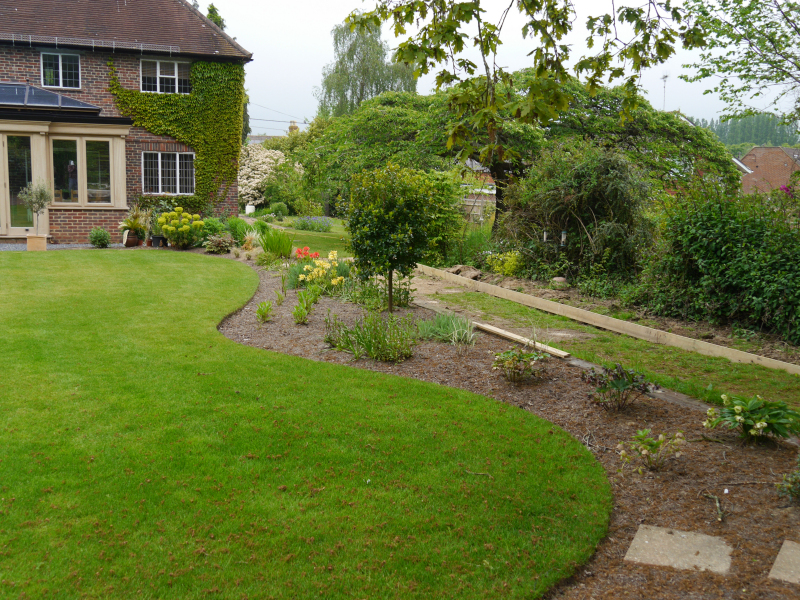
x=387, y=221
x=36, y=198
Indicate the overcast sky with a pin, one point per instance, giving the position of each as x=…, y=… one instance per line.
x=291, y=43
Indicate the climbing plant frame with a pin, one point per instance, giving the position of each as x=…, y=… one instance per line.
x=209, y=120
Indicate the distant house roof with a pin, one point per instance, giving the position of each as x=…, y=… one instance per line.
x=771, y=167
x=168, y=26
x=741, y=166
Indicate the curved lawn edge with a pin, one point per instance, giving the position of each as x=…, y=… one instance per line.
x=296, y=477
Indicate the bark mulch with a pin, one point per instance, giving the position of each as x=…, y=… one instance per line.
x=756, y=520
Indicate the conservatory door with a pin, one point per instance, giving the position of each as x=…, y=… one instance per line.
x=16, y=171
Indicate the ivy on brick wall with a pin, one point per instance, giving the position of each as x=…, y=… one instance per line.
x=209, y=120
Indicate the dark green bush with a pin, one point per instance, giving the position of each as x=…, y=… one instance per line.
x=729, y=260
x=99, y=237
x=212, y=226
x=238, y=228
x=597, y=196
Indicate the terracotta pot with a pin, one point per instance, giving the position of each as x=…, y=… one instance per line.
x=149, y=242
x=37, y=243
x=131, y=239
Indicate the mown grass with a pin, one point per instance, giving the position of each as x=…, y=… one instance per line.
x=142, y=454
x=672, y=368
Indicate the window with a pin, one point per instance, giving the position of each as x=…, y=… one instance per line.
x=61, y=70
x=82, y=171
x=168, y=173
x=165, y=77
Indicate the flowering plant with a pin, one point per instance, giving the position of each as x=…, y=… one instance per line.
x=303, y=253
x=183, y=230
x=755, y=419
x=652, y=452
x=324, y=273
x=518, y=365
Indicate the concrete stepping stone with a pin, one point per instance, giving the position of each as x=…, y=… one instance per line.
x=679, y=549
x=787, y=565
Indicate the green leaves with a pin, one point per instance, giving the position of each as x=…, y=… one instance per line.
x=209, y=120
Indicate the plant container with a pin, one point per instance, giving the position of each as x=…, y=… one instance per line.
x=37, y=243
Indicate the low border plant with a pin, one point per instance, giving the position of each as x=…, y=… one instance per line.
x=448, y=328
x=756, y=419
x=264, y=311
x=388, y=339
x=219, y=244
x=276, y=241
x=318, y=224
x=99, y=237
x=617, y=388
x=652, y=453
x=790, y=486
x=520, y=363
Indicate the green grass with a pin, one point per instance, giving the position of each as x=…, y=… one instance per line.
x=673, y=368
x=318, y=241
x=142, y=454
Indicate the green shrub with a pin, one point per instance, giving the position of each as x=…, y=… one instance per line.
x=279, y=209
x=756, y=419
x=388, y=339
x=508, y=264
x=219, y=244
x=238, y=228
x=728, y=260
x=300, y=314
x=448, y=328
x=259, y=226
x=597, y=196
x=212, y=226
x=276, y=241
x=99, y=237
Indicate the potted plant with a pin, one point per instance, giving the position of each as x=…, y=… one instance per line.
x=156, y=234
x=36, y=198
x=135, y=224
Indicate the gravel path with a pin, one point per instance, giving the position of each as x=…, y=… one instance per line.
x=23, y=247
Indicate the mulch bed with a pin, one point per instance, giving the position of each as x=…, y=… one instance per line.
x=756, y=520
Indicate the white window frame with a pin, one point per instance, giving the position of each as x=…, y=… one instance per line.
x=61, y=70
x=158, y=76
x=178, y=174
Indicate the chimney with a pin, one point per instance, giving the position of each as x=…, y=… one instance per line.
x=293, y=126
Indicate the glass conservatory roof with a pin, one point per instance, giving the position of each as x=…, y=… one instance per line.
x=20, y=95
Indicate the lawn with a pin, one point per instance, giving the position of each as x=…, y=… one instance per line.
x=142, y=454
x=693, y=374
x=321, y=242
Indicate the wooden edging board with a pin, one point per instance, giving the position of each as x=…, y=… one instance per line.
x=641, y=332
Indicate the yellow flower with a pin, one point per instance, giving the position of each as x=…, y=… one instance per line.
x=162, y=220
x=175, y=222
x=302, y=278
x=196, y=217
x=178, y=209
x=307, y=268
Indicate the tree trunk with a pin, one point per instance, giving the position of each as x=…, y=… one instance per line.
x=390, y=290
x=500, y=176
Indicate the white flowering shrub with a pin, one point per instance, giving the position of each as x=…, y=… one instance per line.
x=256, y=165
x=755, y=419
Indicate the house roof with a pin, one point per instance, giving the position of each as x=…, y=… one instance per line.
x=793, y=153
x=22, y=96
x=170, y=26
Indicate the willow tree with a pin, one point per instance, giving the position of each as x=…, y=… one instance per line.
x=361, y=70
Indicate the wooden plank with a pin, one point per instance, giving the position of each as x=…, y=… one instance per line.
x=522, y=340
x=616, y=325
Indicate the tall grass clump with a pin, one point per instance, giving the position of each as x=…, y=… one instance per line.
x=448, y=328
x=388, y=339
x=276, y=241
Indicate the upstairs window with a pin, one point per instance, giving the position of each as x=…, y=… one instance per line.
x=61, y=70
x=168, y=173
x=166, y=77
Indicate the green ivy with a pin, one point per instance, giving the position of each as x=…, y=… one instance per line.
x=209, y=120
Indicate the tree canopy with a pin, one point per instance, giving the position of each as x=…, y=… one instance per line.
x=361, y=70
x=214, y=16
x=752, y=49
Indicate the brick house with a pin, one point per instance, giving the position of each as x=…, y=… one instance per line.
x=61, y=124
x=771, y=168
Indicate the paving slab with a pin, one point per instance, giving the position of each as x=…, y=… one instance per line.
x=787, y=565
x=679, y=549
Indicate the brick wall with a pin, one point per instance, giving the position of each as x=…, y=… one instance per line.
x=772, y=168
x=23, y=65
x=72, y=225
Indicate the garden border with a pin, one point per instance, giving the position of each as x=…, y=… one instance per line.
x=616, y=325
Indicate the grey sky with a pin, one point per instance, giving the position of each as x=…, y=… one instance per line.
x=291, y=43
